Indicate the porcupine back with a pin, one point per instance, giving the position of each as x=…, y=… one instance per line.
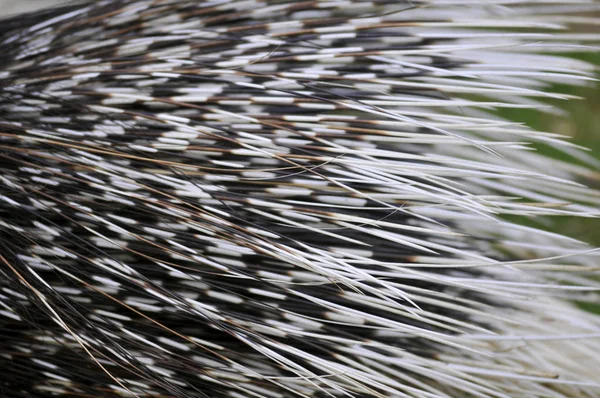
x=290, y=198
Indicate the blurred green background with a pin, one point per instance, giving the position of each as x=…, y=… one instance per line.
x=582, y=124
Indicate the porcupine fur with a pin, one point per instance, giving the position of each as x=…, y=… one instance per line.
x=291, y=198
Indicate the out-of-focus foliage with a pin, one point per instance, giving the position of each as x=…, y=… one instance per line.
x=581, y=121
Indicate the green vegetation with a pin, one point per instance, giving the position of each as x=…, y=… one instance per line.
x=583, y=125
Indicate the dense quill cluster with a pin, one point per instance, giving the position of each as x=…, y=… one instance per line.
x=290, y=198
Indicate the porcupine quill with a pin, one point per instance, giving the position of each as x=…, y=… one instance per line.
x=292, y=199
